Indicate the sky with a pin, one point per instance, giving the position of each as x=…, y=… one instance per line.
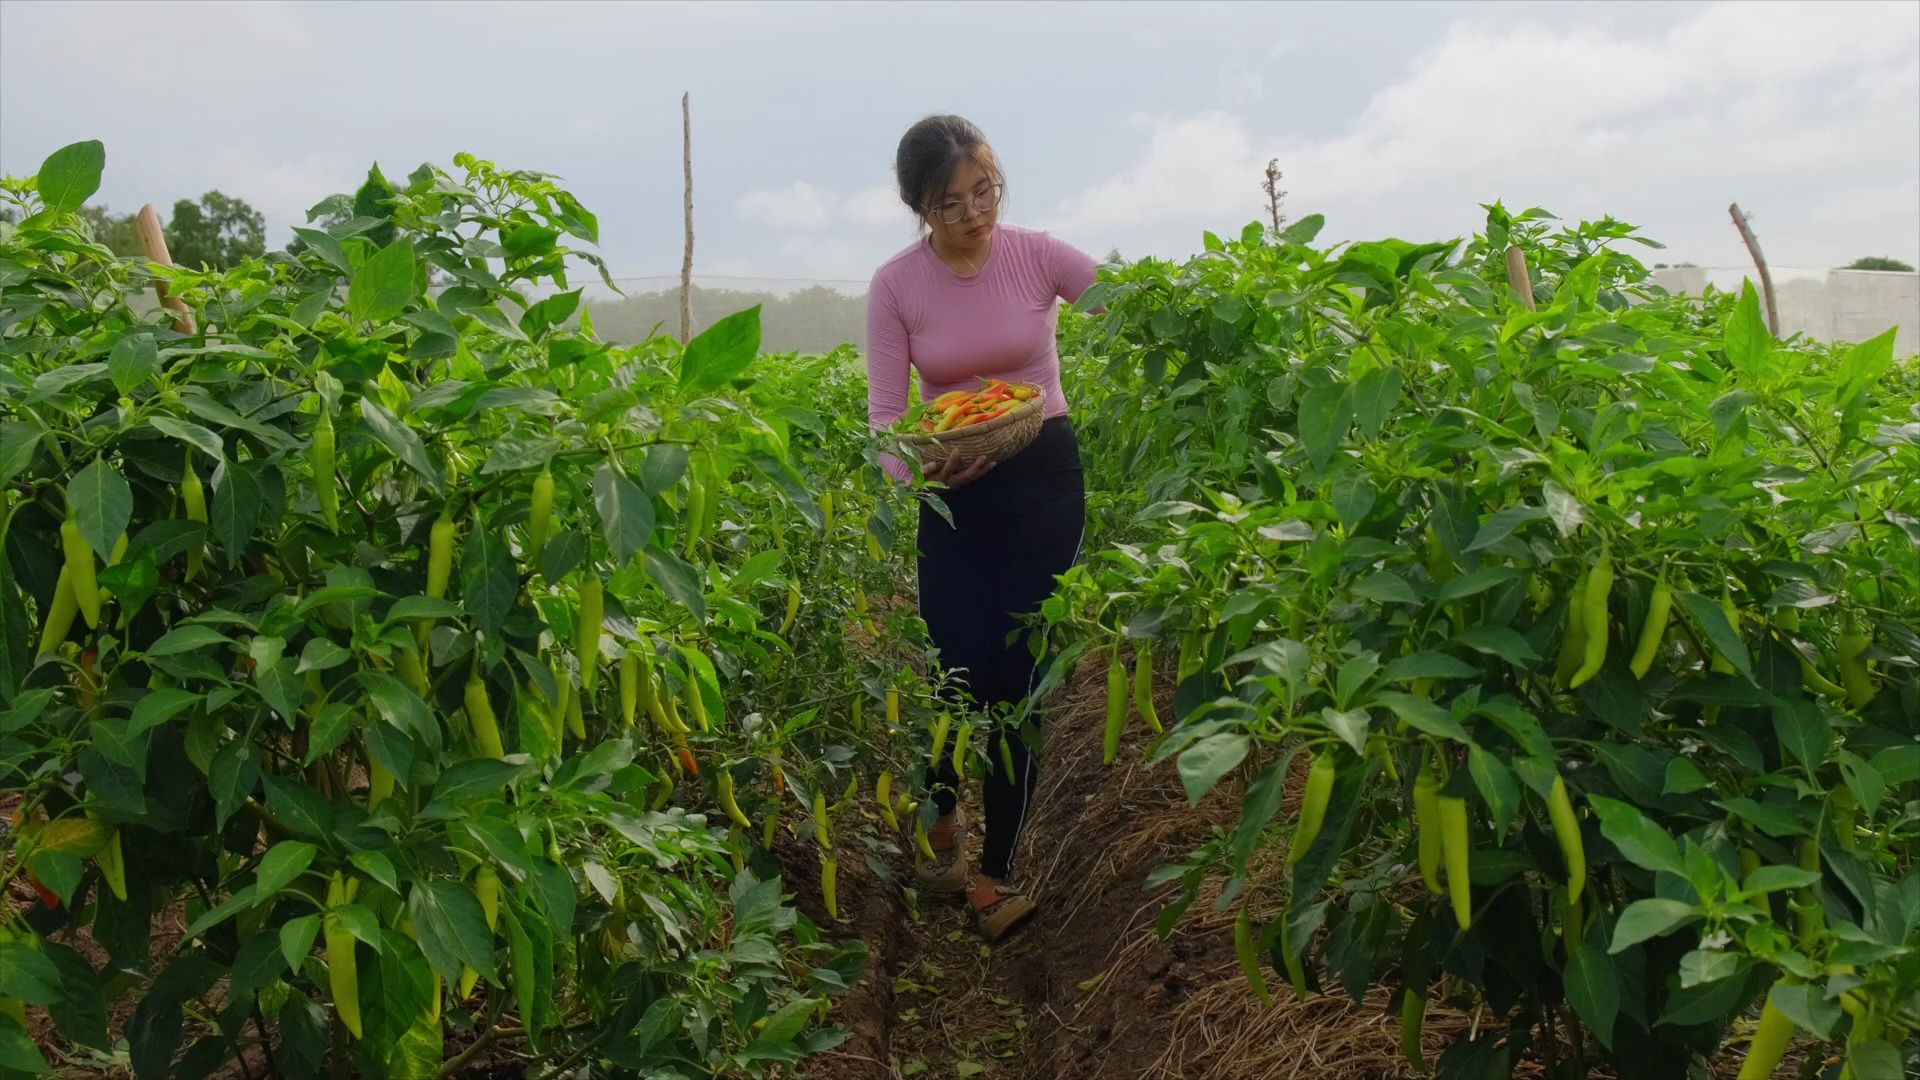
x=1130, y=126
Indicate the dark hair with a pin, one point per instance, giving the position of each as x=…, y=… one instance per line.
x=931, y=152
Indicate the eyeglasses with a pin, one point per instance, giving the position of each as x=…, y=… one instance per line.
x=954, y=211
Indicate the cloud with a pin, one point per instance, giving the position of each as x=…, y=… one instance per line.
x=1524, y=110
x=798, y=207
x=877, y=205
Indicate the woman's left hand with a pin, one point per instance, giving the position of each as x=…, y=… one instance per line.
x=938, y=473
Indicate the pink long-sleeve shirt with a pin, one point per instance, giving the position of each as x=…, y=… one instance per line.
x=953, y=328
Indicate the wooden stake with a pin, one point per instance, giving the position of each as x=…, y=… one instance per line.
x=1760, y=262
x=153, y=241
x=1519, y=277
x=686, y=261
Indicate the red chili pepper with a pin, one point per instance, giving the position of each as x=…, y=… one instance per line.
x=47, y=896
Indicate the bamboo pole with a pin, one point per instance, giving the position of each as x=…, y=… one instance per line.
x=1519, y=277
x=153, y=241
x=686, y=260
x=1760, y=262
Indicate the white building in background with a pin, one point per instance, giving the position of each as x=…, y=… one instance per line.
x=1827, y=305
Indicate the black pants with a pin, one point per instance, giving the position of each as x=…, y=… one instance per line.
x=1014, y=530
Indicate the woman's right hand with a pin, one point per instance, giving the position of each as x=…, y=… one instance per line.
x=941, y=472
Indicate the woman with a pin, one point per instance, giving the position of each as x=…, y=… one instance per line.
x=975, y=298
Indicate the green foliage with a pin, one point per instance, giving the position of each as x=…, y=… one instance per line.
x=268, y=700
x=1880, y=262
x=1358, y=488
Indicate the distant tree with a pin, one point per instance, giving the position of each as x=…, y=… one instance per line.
x=1114, y=256
x=114, y=230
x=218, y=231
x=1879, y=262
x=1271, y=185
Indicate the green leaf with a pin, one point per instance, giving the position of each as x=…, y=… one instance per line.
x=1593, y=989
x=789, y=1021
x=475, y=778
x=133, y=361
x=1351, y=726
x=1725, y=640
x=191, y=435
x=284, y=862
x=18, y=441
x=70, y=175
x=1644, y=843
x=1803, y=731
x=1498, y=788
x=1809, y=1009
x=156, y=707
x=1478, y=582
x=1374, y=396
x=1203, y=764
x=452, y=929
x=722, y=351
x=18, y=1052
x=1747, y=341
x=399, y=706
x=384, y=284
x=189, y=638
x=1503, y=642
x=1876, y=1060
x=1428, y=665
x=528, y=241
x=378, y=867
x=1769, y=879
x=488, y=585
x=1502, y=524
x=28, y=974
x=1326, y=412
x=101, y=504
x=790, y=486
x=1386, y=587
x=236, y=510
x=403, y=441
x=1353, y=496
x=1649, y=918
x=1423, y=715
x=244, y=899
x=680, y=581
x=626, y=512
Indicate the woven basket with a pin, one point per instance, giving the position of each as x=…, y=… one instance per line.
x=996, y=440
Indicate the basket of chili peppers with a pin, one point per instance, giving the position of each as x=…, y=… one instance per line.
x=994, y=422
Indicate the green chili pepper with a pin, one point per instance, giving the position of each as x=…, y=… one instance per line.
x=60, y=613
x=1566, y=829
x=1426, y=819
x=80, y=571
x=1573, y=643
x=1593, y=603
x=1769, y=1043
x=1143, y=685
x=539, y=512
x=1313, y=805
x=1250, y=960
x=325, y=491
x=1116, y=707
x=586, y=642
x=1457, y=852
x=1659, y=609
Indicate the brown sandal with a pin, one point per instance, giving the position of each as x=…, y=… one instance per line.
x=1005, y=915
x=948, y=871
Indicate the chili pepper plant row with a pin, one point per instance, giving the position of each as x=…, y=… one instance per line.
x=454, y=671
x=1587, y=633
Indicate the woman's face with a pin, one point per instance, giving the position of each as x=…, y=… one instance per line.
x=974, y=183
